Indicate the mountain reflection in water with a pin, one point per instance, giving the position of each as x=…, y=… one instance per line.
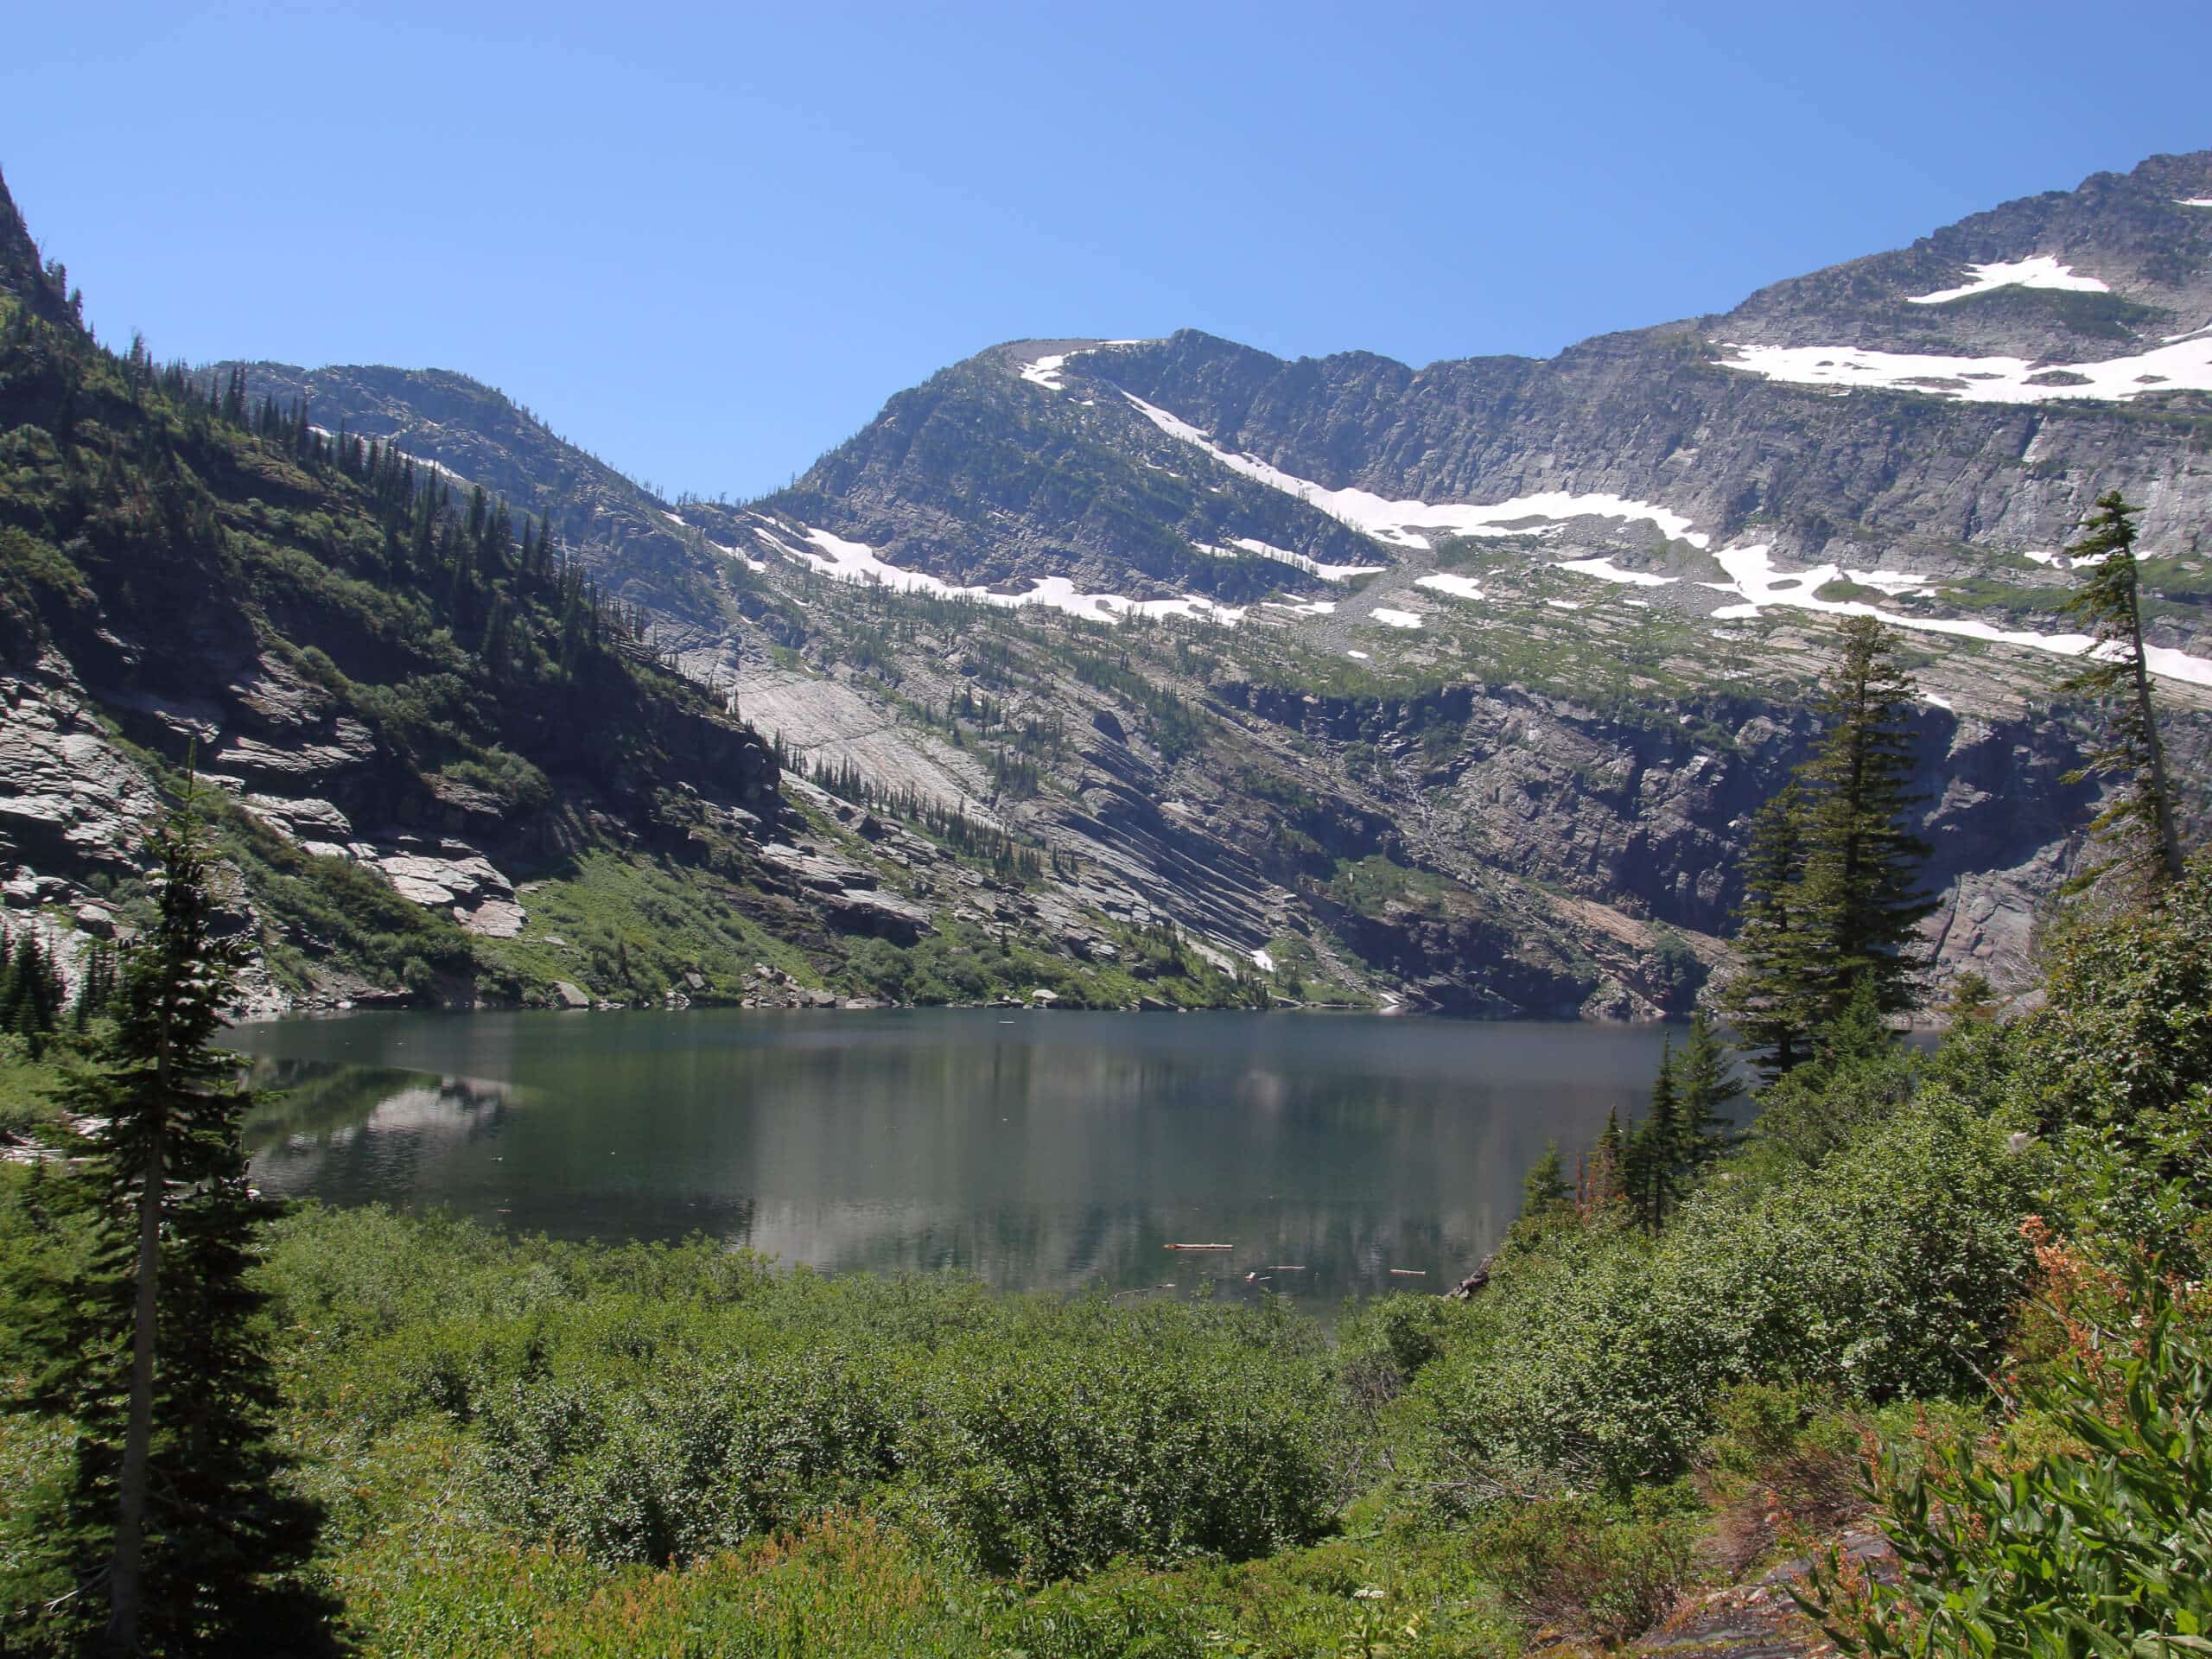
x=1041, y=1150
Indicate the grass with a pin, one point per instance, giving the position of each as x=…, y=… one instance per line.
x=630, y=928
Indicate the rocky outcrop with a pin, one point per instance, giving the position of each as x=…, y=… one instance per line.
x=69, y=802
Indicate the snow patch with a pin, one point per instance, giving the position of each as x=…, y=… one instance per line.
x=1300, y=562
x=1606, y=570
x=1944, y=703
x=856, y=561
x=1045, y=371
x=1893, y=582
x=2183, y=367
x=1563, y=604
x=1264, y=962
x=1401, y=523
x=1752, y=574
x=1458, y=587
x=1357, y=656
x=2042, y=272
x=1390, y=619
x=2193, y=201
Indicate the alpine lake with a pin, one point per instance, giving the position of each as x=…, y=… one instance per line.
x=1335, y=1156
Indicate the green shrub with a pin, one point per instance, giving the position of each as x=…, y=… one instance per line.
x=2107, y=1550
x=1889, y=1270
x=694, y=1463
x=1586, y=1569
x=1046, y=1463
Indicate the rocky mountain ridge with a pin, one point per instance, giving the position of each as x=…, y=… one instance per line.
x=1452, y=687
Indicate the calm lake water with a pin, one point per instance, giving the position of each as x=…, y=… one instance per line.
x=1038, y=1150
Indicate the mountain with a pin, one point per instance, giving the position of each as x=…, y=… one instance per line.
x=1453, y=686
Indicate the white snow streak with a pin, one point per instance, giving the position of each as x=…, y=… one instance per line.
x=1395, y=619
x=1045, y=371
x=2193, y=201
x=2042, y=272
x=1458, y=587
x=1401, y=523
x=1752, y=574
x=856, y=561
x=1606, y=570
x=1300, y=562
x=1264, y=962
x=2185, y=366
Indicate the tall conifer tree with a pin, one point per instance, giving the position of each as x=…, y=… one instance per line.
x=178, y=1519
x=1704, y=1082
x=1863, y=887
x=2139, y=824
x=1770, y=1000
x=1655, y=1149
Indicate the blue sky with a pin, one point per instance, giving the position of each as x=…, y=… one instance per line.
x=707, y=241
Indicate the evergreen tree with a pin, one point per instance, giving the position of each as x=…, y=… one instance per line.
x=1863, y=889
x=1655, y=1149
x=1704, y=1082
x=32, y=993
x=2139, y=823
x=1832, y=893
x=1769, y=999
x=1602, y=1183
x=177, y=1517
x=1544, y=1187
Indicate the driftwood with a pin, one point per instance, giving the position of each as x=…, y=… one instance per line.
x=1474, y=1284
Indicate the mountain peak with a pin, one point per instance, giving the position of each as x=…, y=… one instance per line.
x=23, y=273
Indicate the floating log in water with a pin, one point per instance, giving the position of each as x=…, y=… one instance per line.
x=1286, y=1267
x=1201, y=1247
x=1411, y=1273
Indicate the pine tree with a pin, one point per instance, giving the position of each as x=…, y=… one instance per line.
x=177, y=1516
x=1601, y=1184
x=1704, y=1082
x=1768, y=1001
x=1832, y=893
x=1544, y=1187
x=1863, y=889
x=2139, y=823
x=1655, y=1148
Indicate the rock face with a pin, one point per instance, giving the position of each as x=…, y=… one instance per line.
x=68, y=800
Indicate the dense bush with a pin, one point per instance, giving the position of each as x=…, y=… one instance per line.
x=659, y=1404
x=675, y=1467
x=1052, y=1463
x=1890, y=1269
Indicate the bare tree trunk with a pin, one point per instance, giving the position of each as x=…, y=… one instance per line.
x=126, y=1566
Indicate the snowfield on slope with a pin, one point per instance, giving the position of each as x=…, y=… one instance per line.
x=2042, y=272
x=856, y=561
x=1752, y=575
x=2184, y=367
x=1400, y=523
